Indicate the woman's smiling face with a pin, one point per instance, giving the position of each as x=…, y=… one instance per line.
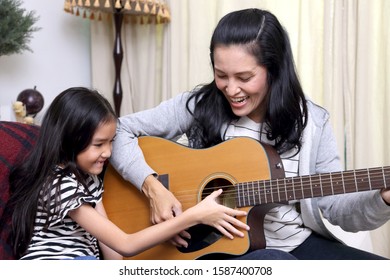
x=242, y=80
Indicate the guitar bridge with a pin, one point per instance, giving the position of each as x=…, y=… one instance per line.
x=202, y=236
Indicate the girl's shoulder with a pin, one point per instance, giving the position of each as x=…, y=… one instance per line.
x=70, y=180
x=64, y=178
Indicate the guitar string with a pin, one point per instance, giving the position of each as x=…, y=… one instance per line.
x=278, y=187
x=290, y=182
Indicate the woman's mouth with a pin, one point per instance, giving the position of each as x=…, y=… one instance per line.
x=239, y=99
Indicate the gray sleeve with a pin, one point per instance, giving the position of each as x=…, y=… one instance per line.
x=167, y=120
x=354, y=211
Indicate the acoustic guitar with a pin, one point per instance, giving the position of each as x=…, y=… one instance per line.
x=251, y=176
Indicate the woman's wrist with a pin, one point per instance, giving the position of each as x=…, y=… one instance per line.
x=147, y=186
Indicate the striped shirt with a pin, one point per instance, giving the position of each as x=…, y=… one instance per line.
x=64, y=238
x=283, y=225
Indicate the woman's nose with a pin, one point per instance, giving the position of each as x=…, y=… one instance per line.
x=232, y=88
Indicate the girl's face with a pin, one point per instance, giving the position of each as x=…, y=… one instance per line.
x=242, y=81
x=91, y=160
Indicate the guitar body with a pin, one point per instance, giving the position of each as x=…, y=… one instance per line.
x=190, y=175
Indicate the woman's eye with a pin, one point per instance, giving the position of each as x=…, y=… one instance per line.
x=246, y=79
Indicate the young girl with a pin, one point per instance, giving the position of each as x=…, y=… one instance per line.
x=57, y=194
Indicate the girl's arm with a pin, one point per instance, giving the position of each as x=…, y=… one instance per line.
x=208, y=212
x=108, y=253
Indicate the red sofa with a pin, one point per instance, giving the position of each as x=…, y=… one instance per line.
x=16, y=140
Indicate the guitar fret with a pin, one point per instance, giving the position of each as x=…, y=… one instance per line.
x=254, y=196
x=339, y=187
x=361, y=181
x=259, y=192
x=253, y=192
x=285, y=189
x=293, y=188
x=342, y=182
x=289, y=189
x=306, y=192
x=239, y=190
x=297, y=185
x=369, y=179
x=267, y=194
x=277, y=186
x=251, y=198
x=337, y=183
x=311, y=187
x=248, y=197
x=319, y=177
x=262, y=191
x=331, y=178
x=384, y=177
x=356, y=185
x=314, y=186
x=245, y=194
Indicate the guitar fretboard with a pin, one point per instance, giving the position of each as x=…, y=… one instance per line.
x=300, y=187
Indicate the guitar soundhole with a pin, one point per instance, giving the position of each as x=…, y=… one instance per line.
x=203, y=236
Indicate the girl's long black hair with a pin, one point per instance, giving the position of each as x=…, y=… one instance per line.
x=263, y=36
x=67, y=129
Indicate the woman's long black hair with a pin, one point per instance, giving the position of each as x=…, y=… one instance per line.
x=67, y=129
x=264, y=37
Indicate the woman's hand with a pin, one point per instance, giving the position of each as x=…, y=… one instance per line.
x=163, y=203
x=163, y=206
x=385, y=193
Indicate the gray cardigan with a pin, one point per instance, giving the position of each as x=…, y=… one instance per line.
x=352, y=212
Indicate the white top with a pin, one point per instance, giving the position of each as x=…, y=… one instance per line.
x=283, y=225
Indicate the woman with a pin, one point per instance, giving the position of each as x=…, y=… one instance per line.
x=256, y=93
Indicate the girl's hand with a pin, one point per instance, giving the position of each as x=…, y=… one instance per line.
x=209, y=212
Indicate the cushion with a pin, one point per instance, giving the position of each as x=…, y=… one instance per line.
x=16, y=140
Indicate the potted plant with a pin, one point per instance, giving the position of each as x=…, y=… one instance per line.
x=16, y=27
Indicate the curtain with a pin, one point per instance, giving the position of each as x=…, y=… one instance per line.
x=355, y=81
x=342, y=54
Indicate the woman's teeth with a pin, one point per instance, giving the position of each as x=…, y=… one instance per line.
x=240, y=99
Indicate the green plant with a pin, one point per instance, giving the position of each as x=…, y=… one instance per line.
x=16, y=27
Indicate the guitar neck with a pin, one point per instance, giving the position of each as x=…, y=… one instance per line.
x=319, y=185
